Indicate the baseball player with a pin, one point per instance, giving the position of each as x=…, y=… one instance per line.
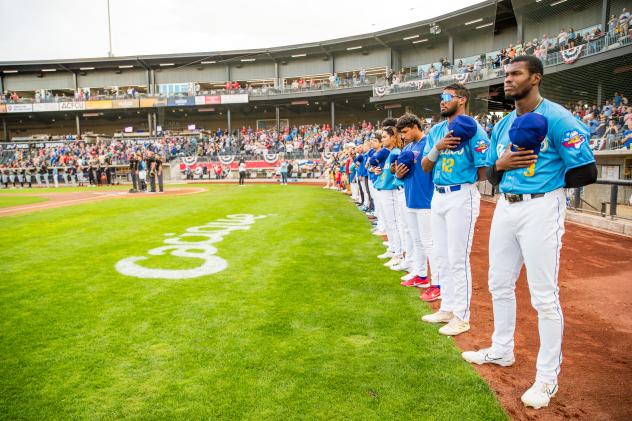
x=457, y=164
x=418, y=190
x=528, y=222
x=387, y=188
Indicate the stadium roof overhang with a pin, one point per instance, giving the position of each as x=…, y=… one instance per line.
x=490, y=11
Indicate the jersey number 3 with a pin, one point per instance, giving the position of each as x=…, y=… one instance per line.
x=530, y=171
x=447, y=164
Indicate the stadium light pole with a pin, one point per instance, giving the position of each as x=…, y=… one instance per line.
x=109, y=32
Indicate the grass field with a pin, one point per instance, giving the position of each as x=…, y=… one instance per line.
x=6, y=201
x=305, y=323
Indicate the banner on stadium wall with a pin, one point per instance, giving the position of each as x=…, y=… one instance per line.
x=571, y=55
x=153, y=102
x=125, y=103
x=104, y=104
x=14, y=146
x=181, y=102
x=208, y=99
x=3, y=108
x=234, y=99
x=46, y=106
x=19, y=108
x=72, y=106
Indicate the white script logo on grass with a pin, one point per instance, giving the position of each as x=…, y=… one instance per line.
x=212, y=233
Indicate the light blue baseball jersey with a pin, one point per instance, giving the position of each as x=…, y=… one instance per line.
x=458, y=167
x=565, y=147
x=386, y=180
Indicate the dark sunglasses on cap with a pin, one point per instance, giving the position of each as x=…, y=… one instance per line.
x=448, y=97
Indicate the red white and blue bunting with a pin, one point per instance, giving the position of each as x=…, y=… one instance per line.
x=571, y=55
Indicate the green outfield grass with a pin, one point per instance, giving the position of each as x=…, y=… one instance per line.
x=305, y=323
x=6, y=201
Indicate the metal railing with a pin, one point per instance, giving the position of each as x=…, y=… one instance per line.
x=607, y=208
x=445, y=76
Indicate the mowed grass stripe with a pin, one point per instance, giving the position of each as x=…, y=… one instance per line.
x=305, y=323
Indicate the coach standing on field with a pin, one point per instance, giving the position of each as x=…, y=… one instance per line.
x=528, y=222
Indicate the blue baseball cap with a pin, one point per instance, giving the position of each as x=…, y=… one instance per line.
x=464, y=127
x=528, y=131
x=407, y=158
x=394, y=157
x=373, y=161
x=381, y=155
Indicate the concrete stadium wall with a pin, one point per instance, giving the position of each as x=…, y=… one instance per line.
x=213, y=73
x=57, y=80
x=474, y=43
x=252, y=71
x=356, y=60
x=563, y=16
x=424, y=54
x=304, y=67
x=100, y=79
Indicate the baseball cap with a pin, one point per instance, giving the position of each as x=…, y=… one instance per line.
x=407, y=158
x=528, y=131
x=381, y=155
x=464, y=127
x=394, y=157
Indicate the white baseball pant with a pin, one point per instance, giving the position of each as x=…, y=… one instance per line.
x=389, y=205
x=420, y=228
x=530, y=233
x=454, y=216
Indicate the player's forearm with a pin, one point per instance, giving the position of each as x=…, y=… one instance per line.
x=427, y=164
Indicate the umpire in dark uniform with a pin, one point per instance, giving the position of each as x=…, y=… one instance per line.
x=133, y=172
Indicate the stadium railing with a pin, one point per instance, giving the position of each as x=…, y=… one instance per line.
x=607, y=208
x=414, y=83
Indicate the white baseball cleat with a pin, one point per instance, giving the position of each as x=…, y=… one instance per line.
x=387, y=255
x=379, y=233
x=455, y=327
x=394, y=261
x=539, y=395
x=438, y=317
x=484, y=356
x=400, y=266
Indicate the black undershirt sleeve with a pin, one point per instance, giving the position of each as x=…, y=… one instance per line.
x=581, y=176
x=494, y=176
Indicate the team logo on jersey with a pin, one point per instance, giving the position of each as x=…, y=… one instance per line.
x=573, y=139
x=481, y=146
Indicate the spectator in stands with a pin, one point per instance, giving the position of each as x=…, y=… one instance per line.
x=624, y=22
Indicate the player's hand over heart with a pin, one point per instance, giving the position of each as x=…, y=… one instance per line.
x=510, y=160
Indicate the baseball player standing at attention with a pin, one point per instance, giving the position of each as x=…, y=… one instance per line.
x=457, y=164
x=528, y=222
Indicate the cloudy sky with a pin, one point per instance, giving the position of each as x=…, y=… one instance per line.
x=56, y=29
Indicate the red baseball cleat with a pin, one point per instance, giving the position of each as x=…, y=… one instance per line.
x=433, y=293
x=416, y=281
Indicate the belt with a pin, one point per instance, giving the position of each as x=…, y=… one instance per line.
x=514, y=198
x=448, y=189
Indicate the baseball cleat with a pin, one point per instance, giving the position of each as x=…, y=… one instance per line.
x=539, y=395
x=438, y=317
x=415, y=281
x=455, y=327
x=394, y=261
x=484, y=356
x=400, y=266
x=387, y=255
x=433, y=293
x=378, y=233
x=408, y=276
